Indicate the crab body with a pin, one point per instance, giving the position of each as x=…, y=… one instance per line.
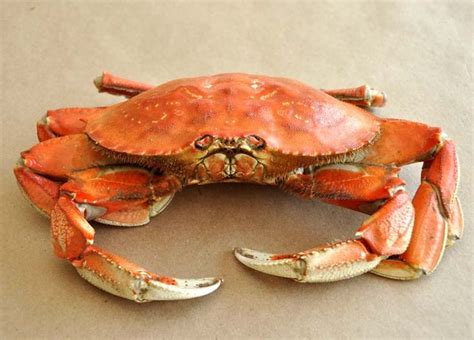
x=122, y=164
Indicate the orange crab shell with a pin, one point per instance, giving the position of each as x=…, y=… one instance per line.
x=291, y=117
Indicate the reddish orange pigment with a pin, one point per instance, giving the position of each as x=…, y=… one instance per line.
x=429, y=232
x=443, y=173
x=388, y=231
x=167, y=280
x=283, y=257
x=290, y=116
x=70, y=231
x=130, y=214
x=341, y=252
x=456, y=221
x=42, y=192
x=347, y=182
x=75, y=152
x=70, y=121
x=403, y=142
x=44, y=132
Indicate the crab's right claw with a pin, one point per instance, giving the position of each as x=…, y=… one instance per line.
x=119, y=277
x=73, y=239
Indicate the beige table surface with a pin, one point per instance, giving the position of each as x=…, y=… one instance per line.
x=420, y=53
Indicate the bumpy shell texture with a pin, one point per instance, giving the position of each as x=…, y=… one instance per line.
x=291, y=117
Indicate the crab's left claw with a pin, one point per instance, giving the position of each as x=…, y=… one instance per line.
x=333, y=262
x=387, y=232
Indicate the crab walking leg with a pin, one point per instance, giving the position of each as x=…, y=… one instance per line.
x=363, y=96
x=39, y=190
x=121, y=195
x=438, y=221
x=349, y=185
x=46, y=166
x=120, y=86
x=91, y=178
x=73, y=239
x=360, y=187
x=118, y=195
x=345, y=182
x=432, y=233
x=387, y=232
x=59, y=157
x=438, y=218
x=65, y=121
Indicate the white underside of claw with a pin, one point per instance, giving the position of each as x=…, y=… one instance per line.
x=122, y=278
x=290, y=268
x=160, y=204
x=337, y=261
x=143, y=289
x=184, y=289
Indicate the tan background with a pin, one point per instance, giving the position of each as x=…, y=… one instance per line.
x=420, y=53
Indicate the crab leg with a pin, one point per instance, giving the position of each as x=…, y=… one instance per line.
x=435, y=214
x=120, y=86
x=360, y=187
x=387, y=232
x=438, y=221
x=363, y=96
x=43, y=168
x=354, y=182
x=118, y=195
x=116, y=192
x=55, y=157
x=73, y=240
x=40, y=191
x=66, y=121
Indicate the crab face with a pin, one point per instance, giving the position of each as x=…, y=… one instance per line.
x=233, y=159
x=122, y=164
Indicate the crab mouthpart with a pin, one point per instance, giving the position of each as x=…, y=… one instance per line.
x=227, y=165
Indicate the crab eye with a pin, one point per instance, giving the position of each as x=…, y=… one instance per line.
x=204, y=142
x=255, y=142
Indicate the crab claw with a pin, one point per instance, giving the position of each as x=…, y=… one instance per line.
x=118, y=276
x=328, y=263
x=387, y=232
x=73, y=239
x=291, y=267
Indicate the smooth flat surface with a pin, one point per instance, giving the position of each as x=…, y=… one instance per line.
x=420, y=53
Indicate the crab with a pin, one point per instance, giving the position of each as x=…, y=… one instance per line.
x=122, y=164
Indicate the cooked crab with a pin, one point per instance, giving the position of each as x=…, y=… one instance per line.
x=122, y=164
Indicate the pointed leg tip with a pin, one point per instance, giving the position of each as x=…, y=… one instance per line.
x=382, y=99
x=98, y=82
x=20, y=163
